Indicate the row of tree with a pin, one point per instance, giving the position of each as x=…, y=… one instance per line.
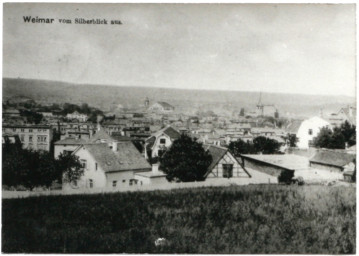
x=260, y=145
x=31, y=169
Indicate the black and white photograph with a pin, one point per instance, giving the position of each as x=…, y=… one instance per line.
x=187, y=128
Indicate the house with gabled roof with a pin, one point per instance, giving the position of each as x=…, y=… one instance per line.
x=331, y=160
x=101, y=136
x=160, y=141
x=68, y=145
x=345, y=114
x=224, y=164
x=162, y=106
x=77, y=116
x=109, y=166
x=307, y=130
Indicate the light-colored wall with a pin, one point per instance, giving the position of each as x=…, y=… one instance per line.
x=303, y=136
x=25, y=133
x=151, y=181
x=326, y=167
x=217, y=171
x=98, y=176
x=157, y=144
x=123, y=177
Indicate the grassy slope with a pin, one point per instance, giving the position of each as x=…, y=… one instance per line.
x=247, y=219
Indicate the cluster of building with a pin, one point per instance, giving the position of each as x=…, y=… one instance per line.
x=115, y=151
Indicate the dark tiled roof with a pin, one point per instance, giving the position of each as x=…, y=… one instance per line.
x=71, y=141
x=127, y=157
x=165, y=104
x=100, y=136
x=172, y=133
x=150, y=142
x=31, y=126
x=293, y=127
x=217, y=153
x=332, y=158
x=119, y=137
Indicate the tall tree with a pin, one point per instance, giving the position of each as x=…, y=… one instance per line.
x=324, y=138
x=186, y=160
x=336, y=139
x=291, y=140
x=265, y=145
x=70, y=167
x=240, y=147
x=349, y=133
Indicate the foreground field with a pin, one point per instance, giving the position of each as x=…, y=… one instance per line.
x=238, y=219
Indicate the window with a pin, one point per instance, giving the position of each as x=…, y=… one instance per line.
x=310, y=131
x=14, y=129
x=162, y=141
x=30, y=130
x=68, y=152
x=30, y=138
x=123, y=181
x=133, y=182
x=23, y=130
x=22, y=137
x=83, y=163
x=96, y=166
x=90, y=183
x=227, y=170
x=114, y=183
x=41, y=138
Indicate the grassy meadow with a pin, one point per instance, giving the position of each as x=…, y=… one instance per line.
x=238, y=219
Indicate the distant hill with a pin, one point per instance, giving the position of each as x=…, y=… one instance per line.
x=107, y=97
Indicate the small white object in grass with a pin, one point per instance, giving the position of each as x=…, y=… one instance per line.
x=160, y=241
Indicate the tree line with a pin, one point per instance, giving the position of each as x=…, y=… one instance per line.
x=30, y=169
x=338, y=138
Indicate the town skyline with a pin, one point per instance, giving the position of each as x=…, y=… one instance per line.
x=279, y=48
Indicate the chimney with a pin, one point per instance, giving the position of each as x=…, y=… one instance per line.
x=114, y=146
x=155, y=168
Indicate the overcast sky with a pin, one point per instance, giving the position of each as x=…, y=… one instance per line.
x=303, y=48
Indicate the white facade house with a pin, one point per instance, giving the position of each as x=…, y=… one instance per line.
x=162, y=107
x=308, y=130
x=160, y=141
x=76, y=115
x=107, y=166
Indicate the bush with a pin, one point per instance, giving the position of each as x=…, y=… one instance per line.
x=286, y=176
